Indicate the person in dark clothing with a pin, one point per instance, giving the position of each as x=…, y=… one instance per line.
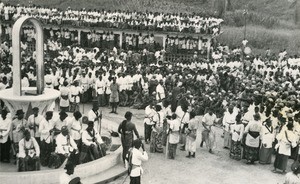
x=126, y=129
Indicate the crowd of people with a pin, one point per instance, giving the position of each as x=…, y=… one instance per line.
x=255, y=99
x=151, y=21
x=43, y=140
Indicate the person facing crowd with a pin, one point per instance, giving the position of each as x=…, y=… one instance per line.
x=126, y=129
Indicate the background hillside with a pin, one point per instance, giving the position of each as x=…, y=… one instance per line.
x=270, y=23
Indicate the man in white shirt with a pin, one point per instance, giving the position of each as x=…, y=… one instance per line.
x=29, y=153
x=173, y=136
x=75, y=91
x=45, y=130
x=100, y=89
x=92, y=144
x=5, y=143
x=160, y=91
x=34, y=121
x=95, y=116
x=148, y=121
x=208, y=133
x=228, y=121
x=135, y=159
x=65, y=148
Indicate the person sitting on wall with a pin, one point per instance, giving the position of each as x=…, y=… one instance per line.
x=29, y=153
x=92, y=144
x=66, y=148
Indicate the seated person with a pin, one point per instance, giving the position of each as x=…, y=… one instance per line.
x=65, y=148
x=29, y=153
x=92, y=144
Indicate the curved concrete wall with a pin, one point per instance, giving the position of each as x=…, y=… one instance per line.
x=83, y=170
x=52, y=176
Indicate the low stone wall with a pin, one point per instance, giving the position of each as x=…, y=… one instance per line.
x=83, y=170
x=52, y=176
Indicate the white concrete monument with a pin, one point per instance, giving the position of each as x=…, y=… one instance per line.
x=23, y=98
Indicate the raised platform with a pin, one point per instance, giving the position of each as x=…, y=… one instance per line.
x=98, y=171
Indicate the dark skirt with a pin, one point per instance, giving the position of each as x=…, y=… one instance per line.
x=90, y=153
x=29, y=164
x=265, y=155
x=251, y=153
x=45, y=153
x=148, y=129
x=172, y=150
x=235, y=150
x=227, y=139
x=156, y=142
x=5, y=150
x=127, y=141
x=281, y=161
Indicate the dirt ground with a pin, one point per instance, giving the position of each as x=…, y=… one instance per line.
x=206, y=168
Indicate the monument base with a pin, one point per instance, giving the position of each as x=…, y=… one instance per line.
x=26, y=102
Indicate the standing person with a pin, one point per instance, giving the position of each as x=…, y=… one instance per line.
x=174, y=135
x=208, y=134
x=75, y=91
x=114, y=96
x=157, y=131
x=286, y=140
x=75, y=128
x=228, y=121
x=237, y=132
x=64, y=102
x=148, y=121
x=95, y=116
x=5, y=143
x=18, y=127
x=45, y=129
x=191, y=135
x=267, y=137
x=34, y=121
x=135, y=159
x=29, y=154
x=252, y=131
x=160, y=91
x=100, y=89
x=126, y=129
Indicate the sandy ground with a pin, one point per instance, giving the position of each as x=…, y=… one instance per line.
x=206, y=168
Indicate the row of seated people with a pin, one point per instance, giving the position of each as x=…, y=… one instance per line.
x=45, y=143
x=194, y=23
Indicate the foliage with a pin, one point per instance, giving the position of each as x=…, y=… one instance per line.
x=261, y=38
x=237, y=18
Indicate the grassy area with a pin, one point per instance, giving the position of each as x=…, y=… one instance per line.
x=270, y=22
x=261, y=38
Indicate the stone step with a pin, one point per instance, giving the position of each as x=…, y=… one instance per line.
x=106, y=176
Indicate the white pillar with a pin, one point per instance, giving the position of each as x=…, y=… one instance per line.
x=79, y=36
x=208, y=48
x=121, y=40
x=16, y=40
x=164, y=42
